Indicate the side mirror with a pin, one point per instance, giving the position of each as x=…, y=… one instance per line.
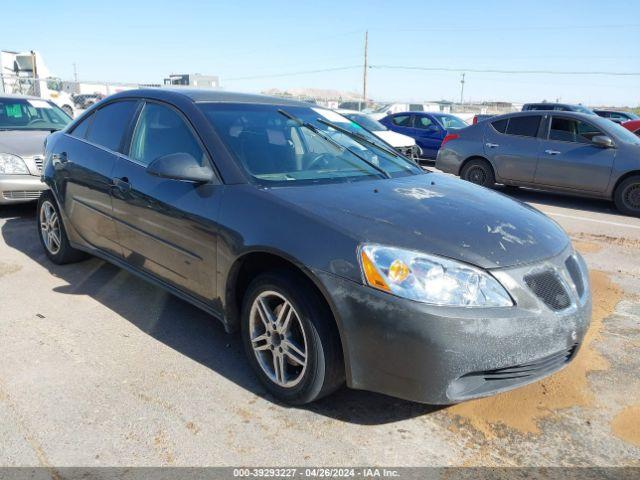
x=180, y=166
x=602, y=141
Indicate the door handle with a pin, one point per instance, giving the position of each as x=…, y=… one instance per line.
x=57, y=158
x=491, y=145
x=552, y=152
x=121, y=184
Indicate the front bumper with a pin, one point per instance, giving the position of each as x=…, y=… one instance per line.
x=20, y=188
x=444, y=355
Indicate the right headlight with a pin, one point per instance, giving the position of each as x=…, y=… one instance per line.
x=12, y=165
x=430, y=279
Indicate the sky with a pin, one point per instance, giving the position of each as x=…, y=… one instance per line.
x=257, y=45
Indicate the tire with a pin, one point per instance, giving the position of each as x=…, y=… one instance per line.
x=310, y=329
x=627, y=196
x=480, y=172
x=52, y=234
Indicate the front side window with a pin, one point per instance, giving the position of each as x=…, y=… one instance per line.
x=524, y=126
x=571, y=130
x=160, y=131
x=274, y=149
x=110, y=124
x=402, y=120
x=424, y=123
x=31, y=114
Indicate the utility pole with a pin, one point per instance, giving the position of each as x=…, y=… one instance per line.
x=364, y=73
x=462, y=90
x=75, y=72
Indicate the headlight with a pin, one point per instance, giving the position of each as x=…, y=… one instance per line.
x=12, y=164
x=430, y=279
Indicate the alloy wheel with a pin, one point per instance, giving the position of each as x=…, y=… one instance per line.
x=278, y=339
x=50, y=227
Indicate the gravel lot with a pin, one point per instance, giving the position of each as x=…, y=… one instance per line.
x=100, y=368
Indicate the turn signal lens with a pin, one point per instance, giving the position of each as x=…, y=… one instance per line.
x=371, y=274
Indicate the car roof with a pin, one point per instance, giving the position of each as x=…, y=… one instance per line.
x=18, y=96
x=600, y=121
x=203, y=95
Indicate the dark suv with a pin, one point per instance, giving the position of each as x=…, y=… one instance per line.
x=558, y=107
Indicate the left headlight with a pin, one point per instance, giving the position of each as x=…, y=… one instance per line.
x=430, y=278
x=12, y=165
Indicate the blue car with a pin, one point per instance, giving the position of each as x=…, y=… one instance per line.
x=428, y=129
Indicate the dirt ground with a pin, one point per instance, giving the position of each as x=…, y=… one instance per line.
x=100, y=368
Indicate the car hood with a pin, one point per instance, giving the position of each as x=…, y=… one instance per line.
x=22, y=142
x=437, y=214
x=395, y=139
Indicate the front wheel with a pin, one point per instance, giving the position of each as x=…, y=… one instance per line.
x=290, y=338
x=627, y=196
x=480, y=172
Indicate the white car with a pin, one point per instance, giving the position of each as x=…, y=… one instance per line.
x=404, y=144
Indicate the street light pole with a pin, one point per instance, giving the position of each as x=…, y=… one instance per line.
x=462, y=90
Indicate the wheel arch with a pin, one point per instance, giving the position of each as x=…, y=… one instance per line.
x=622, y=178
x=257, y=261
x=476, y=157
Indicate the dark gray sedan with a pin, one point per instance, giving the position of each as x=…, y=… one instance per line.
x=334, y=256
x=567, y=152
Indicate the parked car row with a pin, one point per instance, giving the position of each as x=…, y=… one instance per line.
x=558, y=150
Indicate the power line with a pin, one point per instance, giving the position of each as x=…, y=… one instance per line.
x=291, y=74
x=514, y=72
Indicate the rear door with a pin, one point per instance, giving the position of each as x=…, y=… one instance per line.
x=83, y=163
x=569, y=159
x=512, y=146
x=166, y=227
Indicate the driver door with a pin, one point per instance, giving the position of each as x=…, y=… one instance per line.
x=166, y=227
x=567, y=157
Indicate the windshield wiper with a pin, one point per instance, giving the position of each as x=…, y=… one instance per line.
x=361, y=139
x=330, y=140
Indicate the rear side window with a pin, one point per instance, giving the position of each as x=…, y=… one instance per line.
x=402, y=120
x=500, y=125
x=80, y=130
x=110, y=124
x=524, y=126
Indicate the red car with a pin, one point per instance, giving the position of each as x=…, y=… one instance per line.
x=633, y=126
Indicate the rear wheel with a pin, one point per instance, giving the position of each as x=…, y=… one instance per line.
x=290, y=338
x=627, y=196
x=52, y=233
x=480, y=172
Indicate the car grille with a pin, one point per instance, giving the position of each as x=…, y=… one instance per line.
x=534, y=369
x=574, y=272
x=410, y=152
x=22, y=195
x=549, y=288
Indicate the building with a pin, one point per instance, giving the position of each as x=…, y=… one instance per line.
x=193, y=80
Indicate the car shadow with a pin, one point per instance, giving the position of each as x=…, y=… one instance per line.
x=558, y=200
x=185, y=328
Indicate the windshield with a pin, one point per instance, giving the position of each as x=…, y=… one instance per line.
x=274, y=149
x=366, y=122
x=31, y=114
x=623, y=134
x=451, y=122
x=581, y=109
